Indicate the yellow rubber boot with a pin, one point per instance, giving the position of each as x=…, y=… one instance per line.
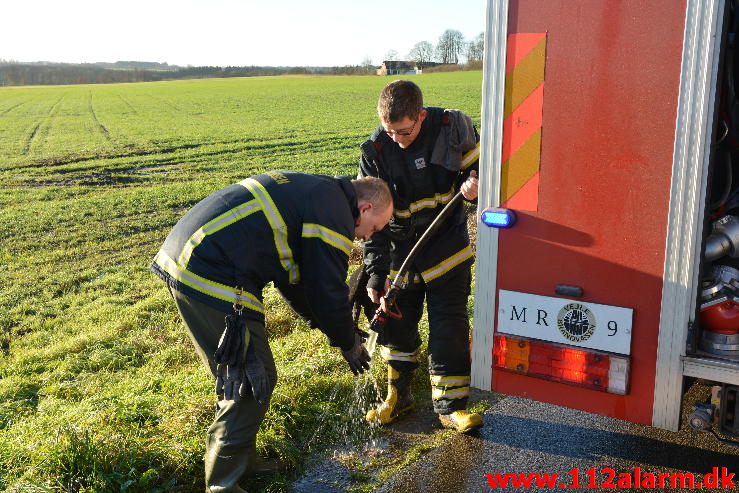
x=462, y=421
x=399, y=399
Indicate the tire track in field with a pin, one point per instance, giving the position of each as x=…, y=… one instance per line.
x=52, y=110
x=46, y=124
x=64, y=161
x=29, y=139
x=41, y=128
x=100, y=126
x=260, y=146
x=167, y=102
x=8, y=110
x=128, y=104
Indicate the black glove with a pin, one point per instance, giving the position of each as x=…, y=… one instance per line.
x=239, y=370
x=358, y=297
x=357, y=357
x=363, y=335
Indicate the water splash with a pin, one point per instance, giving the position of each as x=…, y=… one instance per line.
x=371, y=343
x=344, y=418
x=355, y=428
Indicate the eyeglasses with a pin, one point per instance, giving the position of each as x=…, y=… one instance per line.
x=402, y=133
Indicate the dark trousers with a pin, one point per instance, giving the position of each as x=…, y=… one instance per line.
x=234, y=429
x=449, y=329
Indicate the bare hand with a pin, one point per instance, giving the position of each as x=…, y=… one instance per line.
x=469, y=187
x=376, y=295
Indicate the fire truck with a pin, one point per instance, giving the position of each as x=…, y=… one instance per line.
x=607, y=268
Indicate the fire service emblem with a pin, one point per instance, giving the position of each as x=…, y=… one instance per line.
x=576, y=322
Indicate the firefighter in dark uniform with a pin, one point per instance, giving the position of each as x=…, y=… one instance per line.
x=295, y=230
x=419, y=152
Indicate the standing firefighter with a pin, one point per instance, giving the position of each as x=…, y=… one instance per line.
x=292, y=229
x=418, y=152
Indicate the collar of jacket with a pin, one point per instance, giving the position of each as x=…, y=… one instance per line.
x=351, y=195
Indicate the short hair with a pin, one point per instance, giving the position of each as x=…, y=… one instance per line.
x=373, y=190
x=399, y=99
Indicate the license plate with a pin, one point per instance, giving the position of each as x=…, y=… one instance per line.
x=577, y=323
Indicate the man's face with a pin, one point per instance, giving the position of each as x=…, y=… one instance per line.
x=371, y=220
x=405, y=131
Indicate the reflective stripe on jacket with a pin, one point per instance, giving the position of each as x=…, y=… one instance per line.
x=289, y=228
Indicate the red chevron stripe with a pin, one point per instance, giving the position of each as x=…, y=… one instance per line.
x=519, y=45
x=521, y=124
x=527, y=197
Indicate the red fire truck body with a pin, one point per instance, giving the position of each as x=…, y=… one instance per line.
x=598, y=125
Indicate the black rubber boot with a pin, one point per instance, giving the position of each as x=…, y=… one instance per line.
x=224, y=467
x=257, y=466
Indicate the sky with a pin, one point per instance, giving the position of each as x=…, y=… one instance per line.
x=229, y=32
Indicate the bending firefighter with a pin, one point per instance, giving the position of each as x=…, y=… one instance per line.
x=419, y=152
x=295, y=230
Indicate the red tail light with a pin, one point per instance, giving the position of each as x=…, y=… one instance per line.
x=586, y=368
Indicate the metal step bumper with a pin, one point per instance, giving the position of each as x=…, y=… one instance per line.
x=711, y=369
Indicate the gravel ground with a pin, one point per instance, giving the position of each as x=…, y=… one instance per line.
x=523, y=436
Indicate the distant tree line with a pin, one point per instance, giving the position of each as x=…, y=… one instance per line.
x=46, y=73
x=450, y=49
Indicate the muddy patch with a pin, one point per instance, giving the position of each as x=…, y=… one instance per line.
x=92, y=179
x=370, y=465
x=154, y=169
x=442, y=470
x=343, y=472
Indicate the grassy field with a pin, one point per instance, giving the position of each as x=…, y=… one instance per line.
x=100, y=389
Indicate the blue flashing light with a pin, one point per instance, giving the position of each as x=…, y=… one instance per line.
x=497, y=217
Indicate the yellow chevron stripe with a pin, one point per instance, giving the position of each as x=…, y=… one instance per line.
x=520, y=167
x=524, y=78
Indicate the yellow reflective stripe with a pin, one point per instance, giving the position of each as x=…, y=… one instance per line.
x=437, y=199
x=416, y=278
x=467, y=160
x=449, y=380
x=471, y=157
x=393, y=355
x=279, y=228
x=445, y=266
x=458, y=393
x=211, y=288
x=336, y=240
x=217, y=224
x=425, y=203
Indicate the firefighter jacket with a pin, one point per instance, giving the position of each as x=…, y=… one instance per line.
x=293, y=229
x=421, y=186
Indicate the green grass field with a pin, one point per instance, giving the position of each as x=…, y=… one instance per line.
x=100, y=389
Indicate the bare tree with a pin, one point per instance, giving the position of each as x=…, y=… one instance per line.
x=421, y=53
x=391, y=55
x=367, y=63
x=451, y=45
x=476, y=48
